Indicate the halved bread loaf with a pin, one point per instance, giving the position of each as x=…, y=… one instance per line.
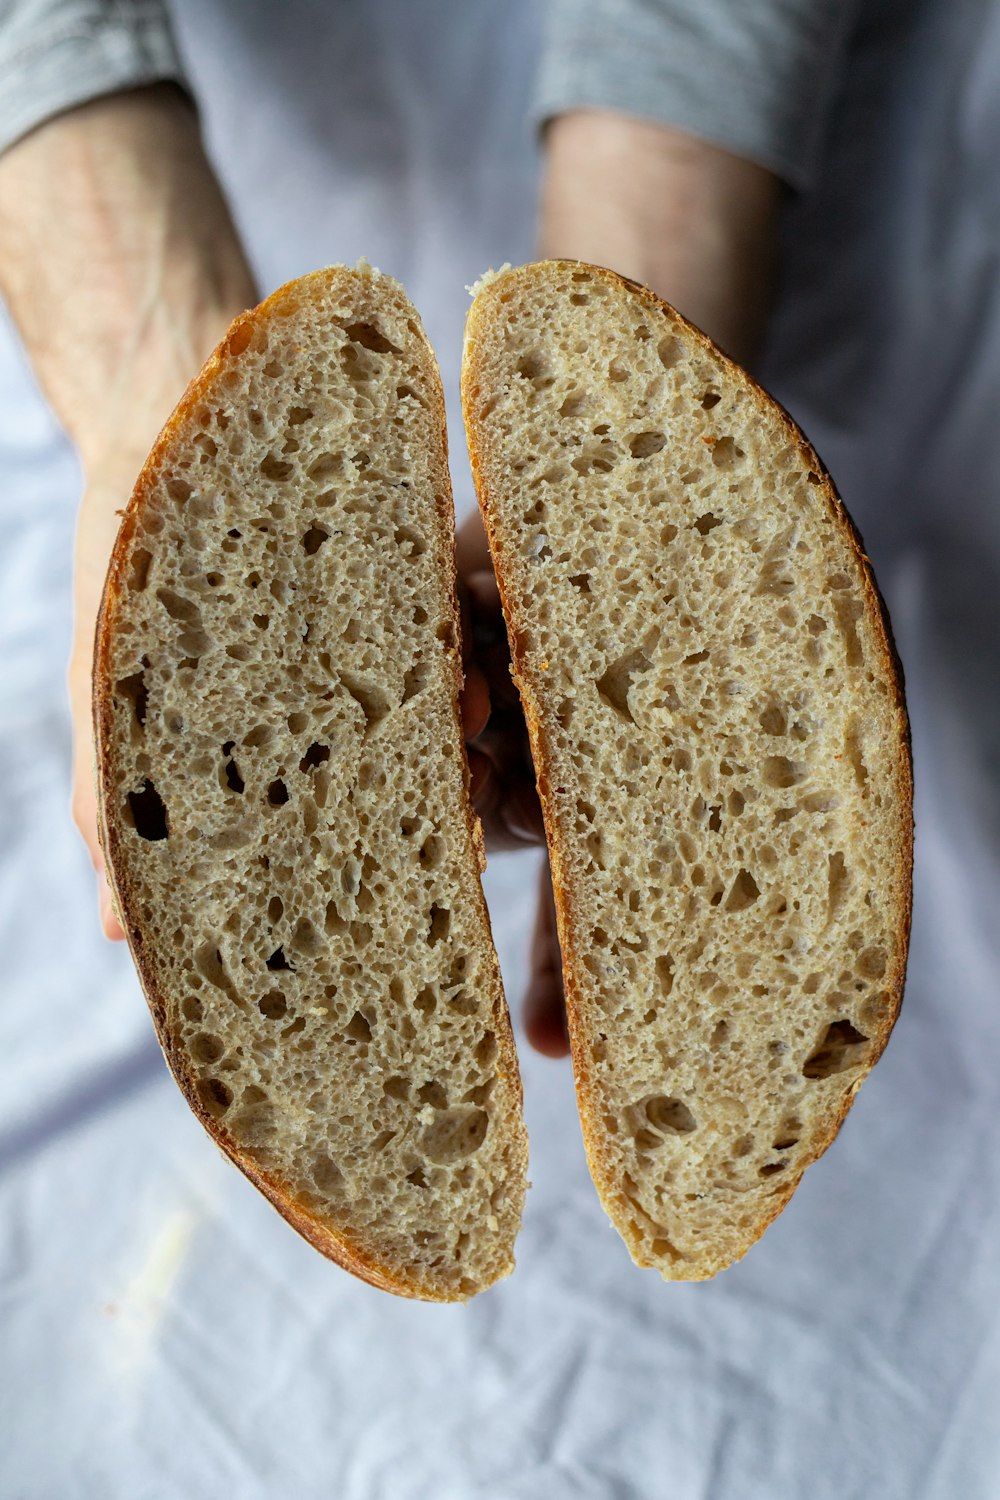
x=283, y=790
x=721, y=746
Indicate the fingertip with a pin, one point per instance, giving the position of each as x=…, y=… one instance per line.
x=545, y=1016
x=110, y=924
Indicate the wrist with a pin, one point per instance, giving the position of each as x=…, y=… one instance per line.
x=696, y=223
x=119, y=262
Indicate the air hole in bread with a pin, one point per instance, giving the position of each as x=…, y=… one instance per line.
x=426, y=1000
x=853, y=749
x=574, y=404
x=433, y=1093
x=820, y=802
x=776, y=579
x=726, y=454
x=720, y=1035
x=743, y=892
x=358, y=1028
x=789, y=1134
x=313, y=539
x=670, y=352
x=133, y=690
x=206, y=1047
x=781, y=772
x=415, y=680
x=773, y=720
x=838, y=884
x=872, y=962
x=215, y=1096
x=617, y=372
x=455, y=1134
x=141, y=562
x=534, y=367
x=370, y=336
x=615, y=683
x=326, y=1174
x=439, y=926
x=234, y=781
x=179, y=607
x=277, y=961
x=179, y=490
x=306, y=939
x=669, y=1115
x=277, y=793
x=409, y=541
x=273, y=1006
x=369, y=696
x=278, y=469
x=316, y=755
x=839, y=1048
x=431, y=851
x=710, y=399
x=147, y=813
x=645, y=444
x=706, y=523
x=598, y=462
x=665, y=973
x=326, y=465
x=648, y=1140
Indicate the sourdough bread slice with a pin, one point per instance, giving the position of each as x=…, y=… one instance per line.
x=283, y=791
x=721, y=746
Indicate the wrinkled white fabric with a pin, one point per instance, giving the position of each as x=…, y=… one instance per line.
x=162, y=1332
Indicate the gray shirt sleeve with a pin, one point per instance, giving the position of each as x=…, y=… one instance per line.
x=58, y=53
x=758, y=77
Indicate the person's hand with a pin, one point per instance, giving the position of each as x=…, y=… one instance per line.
x=122, y=269
x=503, y=775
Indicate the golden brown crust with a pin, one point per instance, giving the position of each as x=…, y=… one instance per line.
x=322, y=1236
x=562, y=882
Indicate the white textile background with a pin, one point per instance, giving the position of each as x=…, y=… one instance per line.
x=162, y=1332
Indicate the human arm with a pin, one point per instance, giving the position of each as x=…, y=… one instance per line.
x=121, y=268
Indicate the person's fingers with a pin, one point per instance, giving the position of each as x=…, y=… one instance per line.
x=507, y=808
x=544, y=1005
x=472, y=552
x=84, y=797
x=109, y=922
x=475, y=702
x=84, y=807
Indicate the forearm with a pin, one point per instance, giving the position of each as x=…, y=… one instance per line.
x=694, y=222
x=121, y=266
x=119, y=263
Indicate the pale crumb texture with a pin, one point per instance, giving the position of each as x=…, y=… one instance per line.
x=284, y=795
x=721, y=747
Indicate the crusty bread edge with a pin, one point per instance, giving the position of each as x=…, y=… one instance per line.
x=483, y=295
x=335, y=1246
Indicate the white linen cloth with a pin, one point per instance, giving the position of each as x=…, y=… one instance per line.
x=163, y=1333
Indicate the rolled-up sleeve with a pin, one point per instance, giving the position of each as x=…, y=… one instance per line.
x=58, y=53
x=757, y=77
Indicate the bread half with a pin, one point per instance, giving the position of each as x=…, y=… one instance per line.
x=283, y=791
x=721, y=745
